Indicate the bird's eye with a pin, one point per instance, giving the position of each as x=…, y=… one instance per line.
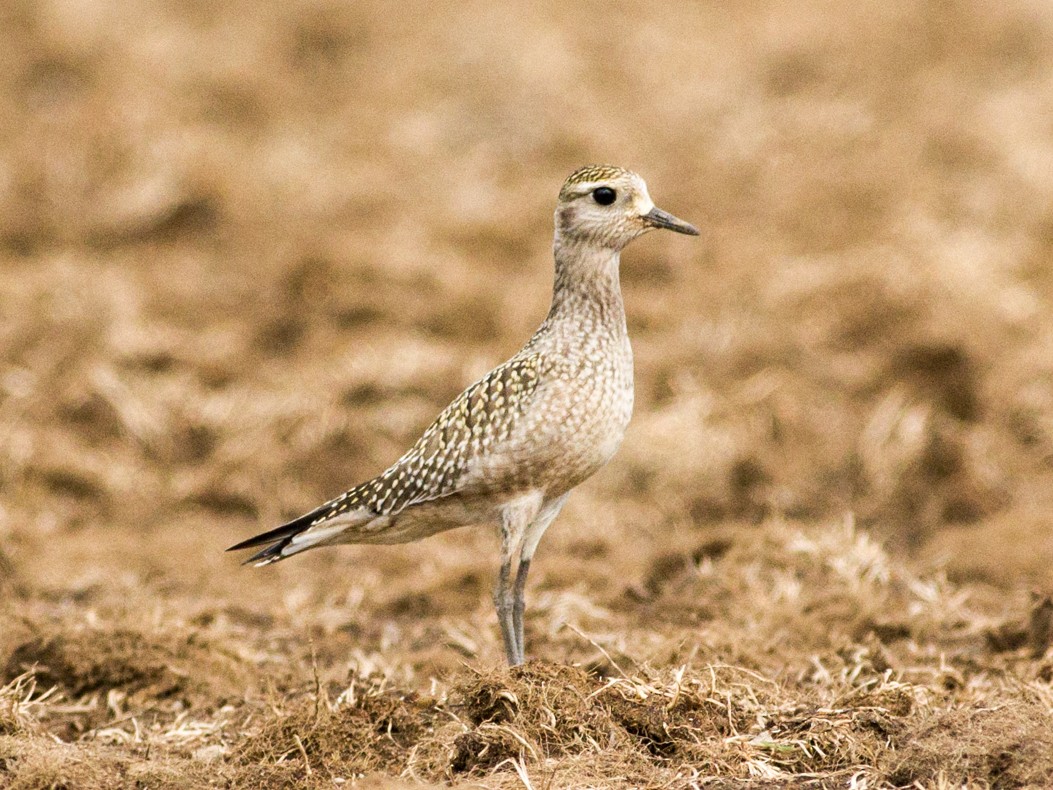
x=604, y=195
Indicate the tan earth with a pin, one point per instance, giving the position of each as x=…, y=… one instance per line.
x=247, y=252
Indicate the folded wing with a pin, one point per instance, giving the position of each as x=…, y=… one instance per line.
x=444, y=461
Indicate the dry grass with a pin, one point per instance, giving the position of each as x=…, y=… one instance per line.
x=248, y=251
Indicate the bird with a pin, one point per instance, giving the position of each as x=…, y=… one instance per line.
x=509, y=449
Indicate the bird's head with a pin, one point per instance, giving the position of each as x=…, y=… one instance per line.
x=608, y=206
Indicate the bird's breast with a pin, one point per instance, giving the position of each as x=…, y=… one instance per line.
x=580, y=416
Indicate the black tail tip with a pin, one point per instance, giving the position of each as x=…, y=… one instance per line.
x=272, y=553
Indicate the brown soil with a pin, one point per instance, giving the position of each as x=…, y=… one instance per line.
x=248, y=250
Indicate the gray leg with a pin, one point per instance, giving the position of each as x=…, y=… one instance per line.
x=519, y=605
x=504, y=604
x=516, y=518
x=531, y=538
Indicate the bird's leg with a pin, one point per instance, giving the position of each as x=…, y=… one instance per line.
x=504, y=604
x=531, y=538
x=519, y=605
x=517, y=518
x=511, y=535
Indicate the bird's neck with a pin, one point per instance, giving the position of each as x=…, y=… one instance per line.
x=587, y=285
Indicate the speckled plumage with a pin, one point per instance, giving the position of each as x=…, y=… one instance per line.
x=590, y=174
x=510, y=448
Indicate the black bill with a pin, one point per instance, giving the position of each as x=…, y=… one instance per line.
x=657, y=218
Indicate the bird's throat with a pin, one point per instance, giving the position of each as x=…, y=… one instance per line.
x=587, y=283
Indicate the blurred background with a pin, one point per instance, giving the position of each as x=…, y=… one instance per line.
x=249, y=250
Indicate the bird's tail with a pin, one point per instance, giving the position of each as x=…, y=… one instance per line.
x=281, y=542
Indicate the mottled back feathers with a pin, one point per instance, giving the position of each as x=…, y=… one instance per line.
x=440, y=462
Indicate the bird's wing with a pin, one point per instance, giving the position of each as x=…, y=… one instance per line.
x=477, y=422
x=442, y=462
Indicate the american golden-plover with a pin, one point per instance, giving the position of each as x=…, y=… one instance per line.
x=510, y=448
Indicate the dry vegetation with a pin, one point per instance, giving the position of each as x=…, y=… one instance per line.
x=248, y=250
